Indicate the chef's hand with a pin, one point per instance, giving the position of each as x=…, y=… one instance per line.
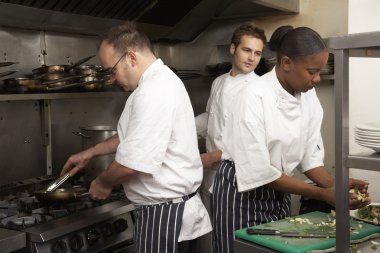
x=361, y=185
x=210, y=159
x=76, y=162
x=329, y=197
x=359, y=197
x=99, y=190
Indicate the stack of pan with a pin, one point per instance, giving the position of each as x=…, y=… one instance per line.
x=54, y=78
x=9, y=72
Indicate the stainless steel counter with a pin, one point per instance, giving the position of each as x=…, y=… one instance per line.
x=11, y=240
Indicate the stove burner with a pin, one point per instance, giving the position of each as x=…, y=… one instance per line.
x=23, y=222
x=7, y=212
x=27, y=204
x=8, y=204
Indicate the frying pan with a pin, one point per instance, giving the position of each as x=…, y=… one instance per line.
x=62, y=194
x=21, y=81
x=92, y=70
x=7, y=73
x=7, y=63
x=59, y=68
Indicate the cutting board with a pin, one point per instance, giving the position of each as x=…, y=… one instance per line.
x=300, y=245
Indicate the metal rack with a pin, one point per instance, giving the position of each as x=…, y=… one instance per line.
x=51, y=96
x=353, y=45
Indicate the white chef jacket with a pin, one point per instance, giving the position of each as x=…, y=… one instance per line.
x=272, y=132
x=158, y=138
x=224, y=90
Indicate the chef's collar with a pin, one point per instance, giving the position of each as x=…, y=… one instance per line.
x=280, y=91
x=242, y=76
x=150, y=71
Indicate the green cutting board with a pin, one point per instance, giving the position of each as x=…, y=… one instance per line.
x=301, y=245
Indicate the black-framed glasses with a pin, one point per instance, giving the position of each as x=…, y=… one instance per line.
x=112, y=70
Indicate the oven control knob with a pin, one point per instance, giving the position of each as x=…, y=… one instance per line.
x=120, y=225
x=106, y=229
x=59, y=247
x=92, y=236
x=75, y=242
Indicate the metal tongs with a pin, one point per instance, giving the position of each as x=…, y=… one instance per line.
x=57, y=183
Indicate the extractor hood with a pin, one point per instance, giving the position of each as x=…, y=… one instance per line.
x=174, y=20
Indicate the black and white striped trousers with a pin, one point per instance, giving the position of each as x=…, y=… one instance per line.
x=233, y=210
x=157, y=227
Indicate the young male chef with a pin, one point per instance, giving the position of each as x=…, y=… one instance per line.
x=157, y=158
x=246, y=48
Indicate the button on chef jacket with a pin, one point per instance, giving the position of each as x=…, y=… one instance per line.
x=272, y=132
x=224, y=91
x=158, y=138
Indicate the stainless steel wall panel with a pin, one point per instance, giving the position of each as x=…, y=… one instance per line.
x=66, y=49
x=71, y=114
x=21, y=46
x=21, y=148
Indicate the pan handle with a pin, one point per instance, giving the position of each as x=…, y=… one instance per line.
x=82, y=135
x=76, y=64
x=86, y=194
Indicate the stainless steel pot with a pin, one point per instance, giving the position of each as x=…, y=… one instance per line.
x=92, y=135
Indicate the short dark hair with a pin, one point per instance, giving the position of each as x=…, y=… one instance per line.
x=127, y=36
x=296, y=43
x=248, y=29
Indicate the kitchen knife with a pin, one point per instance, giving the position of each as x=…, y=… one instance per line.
x=258, y=231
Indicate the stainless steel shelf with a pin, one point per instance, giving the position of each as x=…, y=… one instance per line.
x=366, y=161
x=359, y=40
x=352, y=45
x=48, y=96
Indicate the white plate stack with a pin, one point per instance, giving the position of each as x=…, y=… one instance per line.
x=368, y=135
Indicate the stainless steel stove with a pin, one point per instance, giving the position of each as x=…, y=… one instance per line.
x=27, y=225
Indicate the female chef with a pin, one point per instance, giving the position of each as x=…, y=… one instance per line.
x=275, y=128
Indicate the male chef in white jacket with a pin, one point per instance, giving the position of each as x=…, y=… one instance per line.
x=157, y=158
x=246, y=48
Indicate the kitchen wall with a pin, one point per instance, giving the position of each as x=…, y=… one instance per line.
x=364, y=84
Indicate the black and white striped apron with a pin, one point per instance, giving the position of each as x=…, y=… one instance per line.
x=157, y=227
x=233, y=210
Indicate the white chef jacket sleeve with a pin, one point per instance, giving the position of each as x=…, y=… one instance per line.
x=315, y=152
x=245, y=141
x=147, y=134
x=201, y=124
